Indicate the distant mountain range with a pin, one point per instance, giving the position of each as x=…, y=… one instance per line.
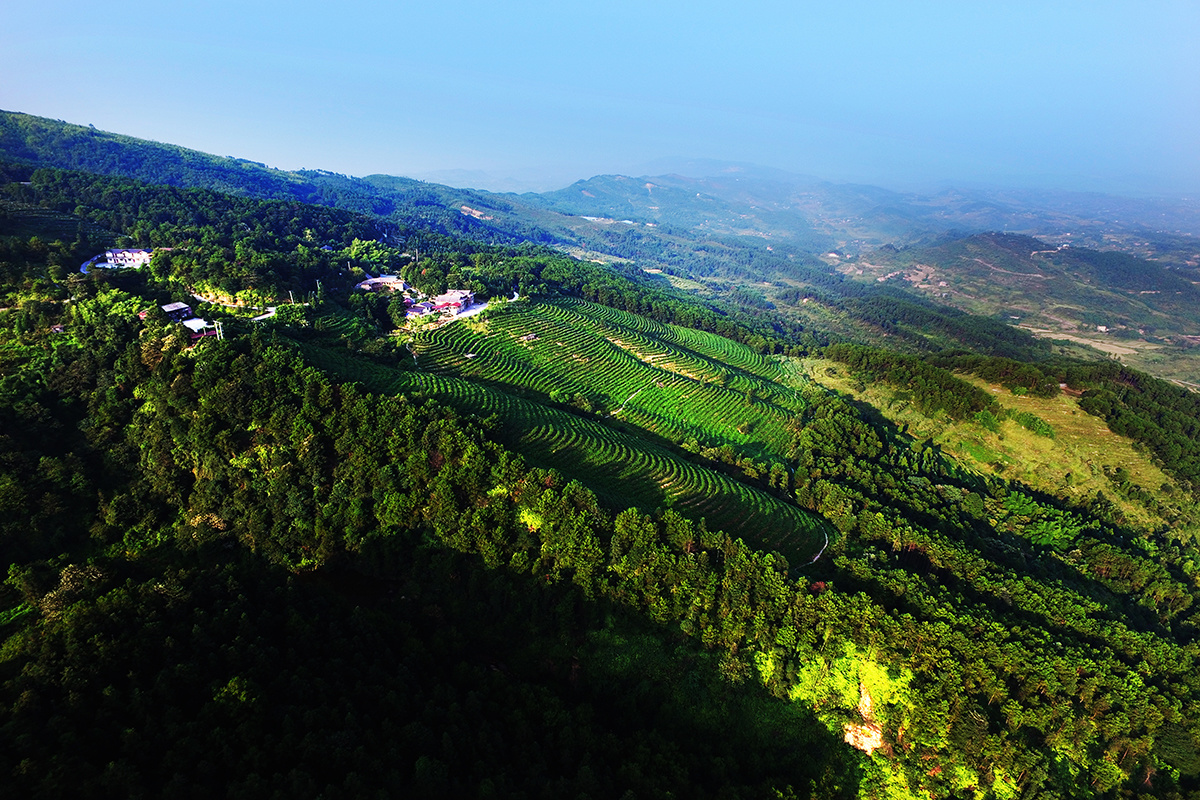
x=777, y=206
x=752, y=206
x=716, y=227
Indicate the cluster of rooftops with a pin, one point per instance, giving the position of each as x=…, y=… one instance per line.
x=452, y=302
x=183, y=314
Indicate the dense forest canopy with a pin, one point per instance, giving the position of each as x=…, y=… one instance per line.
x=293, y=561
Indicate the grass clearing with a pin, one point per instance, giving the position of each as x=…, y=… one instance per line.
x=686, y=284
x=1072, y=465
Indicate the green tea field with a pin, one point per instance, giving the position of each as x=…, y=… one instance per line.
x=649, y=385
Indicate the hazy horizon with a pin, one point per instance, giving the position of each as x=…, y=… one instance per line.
x=1100, y=97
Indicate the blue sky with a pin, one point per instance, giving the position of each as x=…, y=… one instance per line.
x=1076, y=95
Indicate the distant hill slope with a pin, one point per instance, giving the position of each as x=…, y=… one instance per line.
x=810, y=214
x=698, y=204
x=1121, y=304
x=1067, y=287
x=795, y=210
x=44, y=142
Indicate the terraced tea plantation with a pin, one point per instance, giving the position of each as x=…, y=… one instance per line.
x=678, y=383
x=23, y=220
x=622, y=464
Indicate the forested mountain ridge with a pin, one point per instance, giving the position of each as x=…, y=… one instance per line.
x=49, y=143
x=296, y=563
x=731, y=220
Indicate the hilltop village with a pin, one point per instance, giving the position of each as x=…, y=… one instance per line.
x=447, y=304
x=418, y=306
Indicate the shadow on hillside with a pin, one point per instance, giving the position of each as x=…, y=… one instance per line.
x=223, y=675
x=662, y=714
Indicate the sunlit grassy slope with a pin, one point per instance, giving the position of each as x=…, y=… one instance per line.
x=1080, y=460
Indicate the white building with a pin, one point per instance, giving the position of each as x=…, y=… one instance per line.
x=199, y=328
x=128, y=258
x=454, y=301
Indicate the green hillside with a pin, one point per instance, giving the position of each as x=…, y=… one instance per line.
x=334, y=553
x=1074, y=456
x=24, y=221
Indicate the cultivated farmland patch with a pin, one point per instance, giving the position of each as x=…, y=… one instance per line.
x=513, y=365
